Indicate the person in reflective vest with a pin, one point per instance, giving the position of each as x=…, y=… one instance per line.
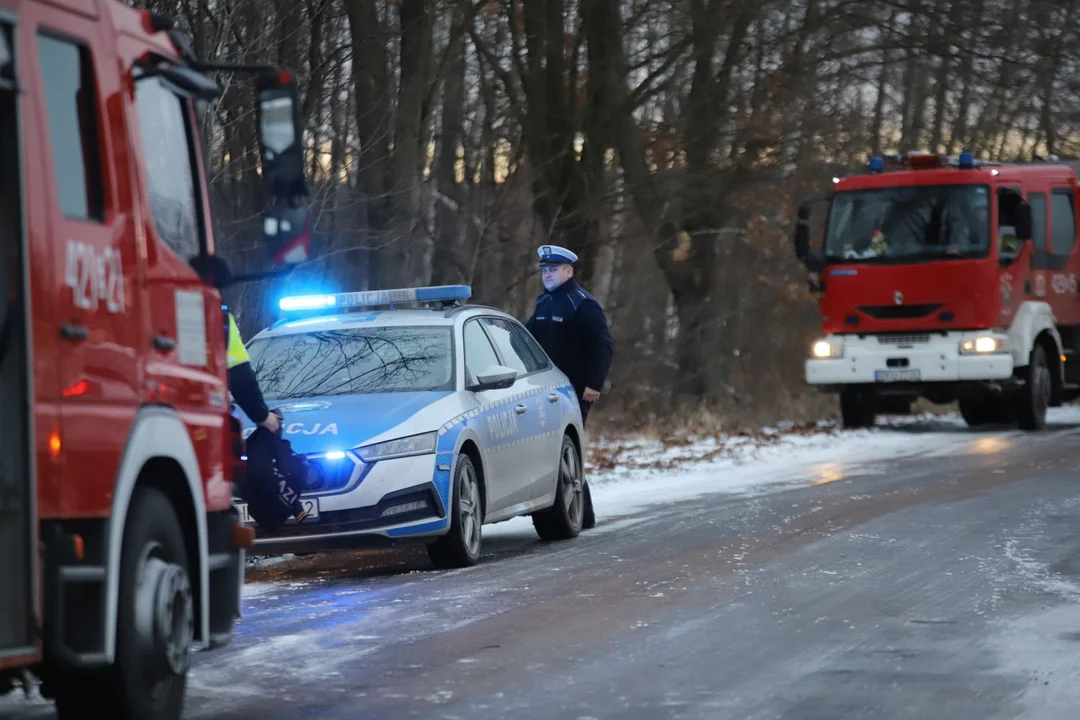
x=243, y=384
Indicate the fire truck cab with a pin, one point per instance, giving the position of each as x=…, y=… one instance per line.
x=951, y=279
x=120, y=550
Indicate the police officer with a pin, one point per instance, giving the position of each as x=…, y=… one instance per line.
x=571, y=327
x=243, y=384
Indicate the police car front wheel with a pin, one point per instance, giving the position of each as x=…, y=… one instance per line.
x=460, y=546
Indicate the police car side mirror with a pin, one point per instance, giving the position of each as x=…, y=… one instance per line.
x=496, y=377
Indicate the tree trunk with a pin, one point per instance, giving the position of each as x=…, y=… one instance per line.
x=448, y=266
x=374, y=111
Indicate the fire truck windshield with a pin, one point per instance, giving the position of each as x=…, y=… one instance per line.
x=909, y=224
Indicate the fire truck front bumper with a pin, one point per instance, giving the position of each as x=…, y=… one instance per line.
x=949, y=357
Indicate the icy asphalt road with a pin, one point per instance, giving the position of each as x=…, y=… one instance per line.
x=943, y=584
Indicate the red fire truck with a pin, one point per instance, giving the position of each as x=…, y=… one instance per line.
x=119, y=547
x=947, y=278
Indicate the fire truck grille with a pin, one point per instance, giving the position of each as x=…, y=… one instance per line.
x=899, y=312
x=920, y=339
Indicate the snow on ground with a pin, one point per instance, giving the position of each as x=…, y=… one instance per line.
x=640, y=473
x=630, y=475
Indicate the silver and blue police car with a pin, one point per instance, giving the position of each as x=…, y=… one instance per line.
x=419, y=423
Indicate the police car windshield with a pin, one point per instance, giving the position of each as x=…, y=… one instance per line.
x=354, y=361
x=909, y=223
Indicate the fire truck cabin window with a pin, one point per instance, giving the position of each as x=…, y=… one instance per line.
x=71, y=103
x=167, y=154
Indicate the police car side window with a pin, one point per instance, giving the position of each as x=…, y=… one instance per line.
x=479, y=355
x=71, y=104
x=529, y=346
x=513, y=352
x=168, y=158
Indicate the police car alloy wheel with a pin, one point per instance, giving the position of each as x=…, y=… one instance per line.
x=563, y=520
x=460, y=546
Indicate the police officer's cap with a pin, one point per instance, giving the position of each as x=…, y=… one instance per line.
x=555, y=255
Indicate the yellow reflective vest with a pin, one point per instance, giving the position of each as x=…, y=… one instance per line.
x=236, y=353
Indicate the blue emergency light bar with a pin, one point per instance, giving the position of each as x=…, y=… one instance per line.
x=922, y=160
x=376, y=298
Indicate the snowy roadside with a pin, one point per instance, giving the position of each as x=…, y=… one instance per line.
x=629, y=475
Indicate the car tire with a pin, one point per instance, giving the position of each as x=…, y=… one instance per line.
x=857, y=409
x=460, y=546
x=1034, y=398
x=588, y=520
x=976, y=411
x=563, y=520
x=155, y=623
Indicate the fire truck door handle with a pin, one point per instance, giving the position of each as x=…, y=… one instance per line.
x=164, y=344
x=74, y=332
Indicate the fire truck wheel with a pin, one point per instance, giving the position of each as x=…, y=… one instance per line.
x=857, y=409
x=155, y=618
x=977, y=411
x=1034, y=398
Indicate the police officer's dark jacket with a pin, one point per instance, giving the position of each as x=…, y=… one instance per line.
x=570, y=325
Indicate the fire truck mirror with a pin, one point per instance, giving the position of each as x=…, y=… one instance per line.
x=287, y=221
x=279, y=137
x=287, y=233
x=6, y=64
x=815, y=261
x=801, y=237
x=1023, y=221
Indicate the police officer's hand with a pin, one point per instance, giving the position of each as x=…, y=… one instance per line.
x=590, y=395
x=272, y=423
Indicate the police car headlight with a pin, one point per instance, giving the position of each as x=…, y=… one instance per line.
x=401, y=447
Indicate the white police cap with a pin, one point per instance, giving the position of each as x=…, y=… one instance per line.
x=555, y=255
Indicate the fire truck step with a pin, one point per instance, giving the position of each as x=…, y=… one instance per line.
x=82, y=573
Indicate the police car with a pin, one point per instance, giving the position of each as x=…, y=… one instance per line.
x=421, y=423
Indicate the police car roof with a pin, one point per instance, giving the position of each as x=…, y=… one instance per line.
x=405, y=317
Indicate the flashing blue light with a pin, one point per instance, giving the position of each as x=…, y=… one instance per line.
x=877, y=164
x=335, y=455
x=966, y=161
x=307, y=302
x=374, y=298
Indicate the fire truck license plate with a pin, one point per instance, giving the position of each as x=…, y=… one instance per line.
x=309, y=504
x=897, y=375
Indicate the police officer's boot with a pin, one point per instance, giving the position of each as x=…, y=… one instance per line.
x=588, y=519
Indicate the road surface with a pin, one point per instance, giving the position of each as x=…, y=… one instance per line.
x=933, y=586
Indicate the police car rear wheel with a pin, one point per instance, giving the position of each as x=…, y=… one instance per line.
x=563, y=520
x=460, y=546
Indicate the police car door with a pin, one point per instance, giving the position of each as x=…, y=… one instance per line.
x=508, y=474
x=534, y=421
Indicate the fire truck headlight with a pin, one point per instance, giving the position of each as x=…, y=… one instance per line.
x=984, y=345
x=826, y=349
